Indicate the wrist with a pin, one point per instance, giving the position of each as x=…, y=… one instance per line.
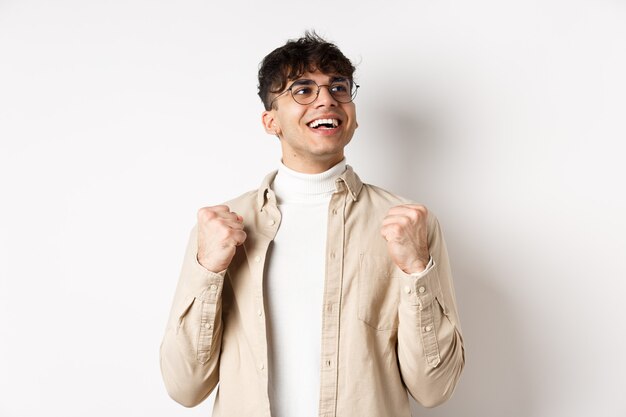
x=418, y=266
x=209, y=266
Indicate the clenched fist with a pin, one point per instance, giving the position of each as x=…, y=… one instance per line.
x=406, y=232
x=220, y=231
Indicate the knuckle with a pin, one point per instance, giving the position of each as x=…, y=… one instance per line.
x=418, y=211
x=206, y=214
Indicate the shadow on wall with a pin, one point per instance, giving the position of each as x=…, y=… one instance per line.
x=495, y=381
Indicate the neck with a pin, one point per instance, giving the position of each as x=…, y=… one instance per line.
x=297, y=164
x=290, y=185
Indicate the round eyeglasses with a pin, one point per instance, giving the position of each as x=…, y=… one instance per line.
x=306, y=91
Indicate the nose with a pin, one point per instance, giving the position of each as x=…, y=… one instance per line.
x=324, y=98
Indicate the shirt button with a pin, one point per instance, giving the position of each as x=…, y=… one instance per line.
x=261, y=366
x=332, y=255
x=208, y=326
x=428, y=328
x=335, y=211
x=259, y=313
x=407, y=289
x=271, y=222
x=329, y=364
x=422, y=290
x=257, y=259
x=213, y=287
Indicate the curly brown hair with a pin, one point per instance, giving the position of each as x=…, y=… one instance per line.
x=307, y=54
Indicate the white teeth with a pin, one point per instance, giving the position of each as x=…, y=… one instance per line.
x=316, y=123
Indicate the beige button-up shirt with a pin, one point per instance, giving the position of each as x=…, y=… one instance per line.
x=384, y=332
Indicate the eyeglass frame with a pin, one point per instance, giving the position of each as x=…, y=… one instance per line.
x=319, y=88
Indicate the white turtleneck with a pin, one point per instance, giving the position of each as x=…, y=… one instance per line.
x=294, y=288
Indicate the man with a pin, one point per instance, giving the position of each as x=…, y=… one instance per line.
x=313, y=252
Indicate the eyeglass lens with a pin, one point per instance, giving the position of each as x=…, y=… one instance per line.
x=306, y=91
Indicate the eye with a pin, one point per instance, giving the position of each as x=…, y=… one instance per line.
x=339, y=88
x=302, y=90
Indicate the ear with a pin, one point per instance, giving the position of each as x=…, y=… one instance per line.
x=268, y=118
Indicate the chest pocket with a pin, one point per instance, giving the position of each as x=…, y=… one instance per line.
x=379, y=295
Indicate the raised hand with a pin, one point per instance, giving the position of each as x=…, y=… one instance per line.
x=220, y=231
x=406, y=232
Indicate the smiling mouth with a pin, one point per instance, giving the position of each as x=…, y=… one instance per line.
x=324, y=124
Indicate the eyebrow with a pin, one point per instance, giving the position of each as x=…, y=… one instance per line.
x=303, y=81
x=306, y=81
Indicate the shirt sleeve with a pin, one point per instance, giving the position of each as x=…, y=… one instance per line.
x=191, y=346
x=430, y=346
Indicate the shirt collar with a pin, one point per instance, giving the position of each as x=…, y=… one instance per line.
x=349, y=178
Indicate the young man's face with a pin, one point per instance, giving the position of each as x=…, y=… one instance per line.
x=305, y=146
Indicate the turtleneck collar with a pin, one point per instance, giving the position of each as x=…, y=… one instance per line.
x=292, y=186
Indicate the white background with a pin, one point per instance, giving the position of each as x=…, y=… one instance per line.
x=118, y=119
